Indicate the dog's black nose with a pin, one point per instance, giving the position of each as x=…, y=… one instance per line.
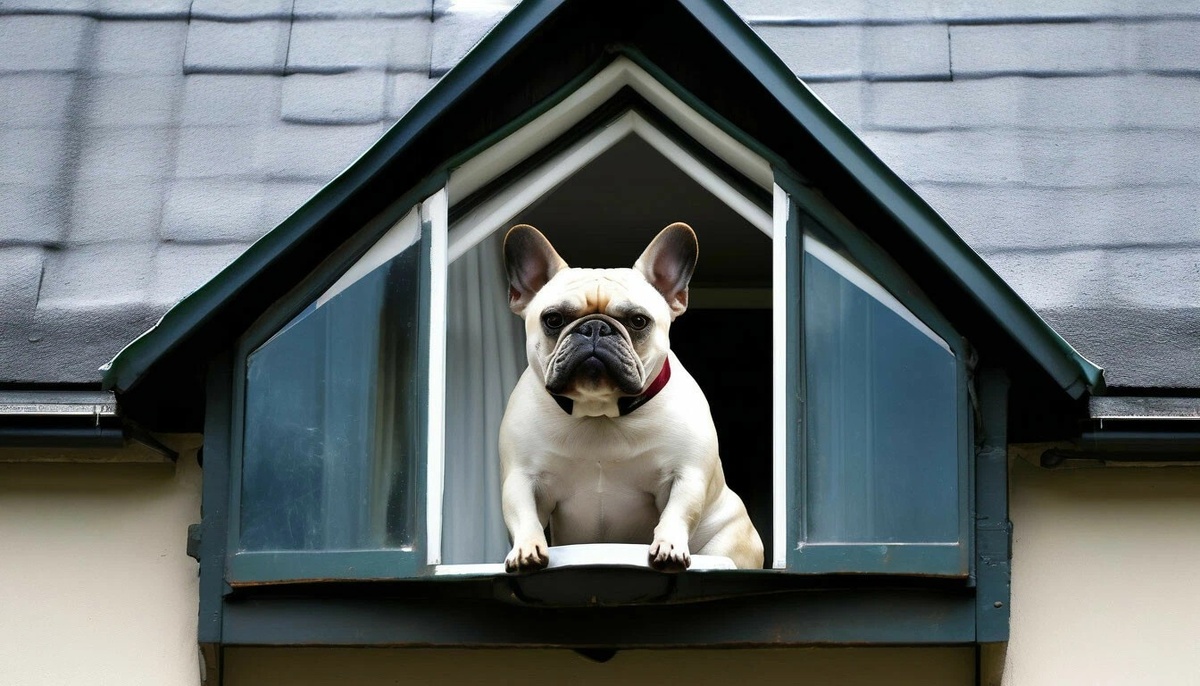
x=594, y=329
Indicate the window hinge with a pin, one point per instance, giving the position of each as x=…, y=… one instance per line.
x=193, y=541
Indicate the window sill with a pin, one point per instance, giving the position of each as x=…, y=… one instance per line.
x=590, y=554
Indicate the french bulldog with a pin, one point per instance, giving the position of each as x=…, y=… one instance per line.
x=606, y=437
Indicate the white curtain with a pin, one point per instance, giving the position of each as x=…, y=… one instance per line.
x=485, y=354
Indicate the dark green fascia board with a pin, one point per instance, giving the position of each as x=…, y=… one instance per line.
x=802, y=619
x=1074, y=373
x=1067, y=367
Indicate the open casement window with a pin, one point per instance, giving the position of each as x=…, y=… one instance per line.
x=365, y=442
x=333, y=430
x=879, y=471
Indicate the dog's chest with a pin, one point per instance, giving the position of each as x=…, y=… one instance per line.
x=606, y=494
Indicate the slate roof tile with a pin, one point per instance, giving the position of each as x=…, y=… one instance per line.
x=302, y=152
x=32, y=156
x=1102, y=103
x=1037, y=159
x=282, y=198
x=241, y=10
x=345, y=45
x=845, y=98
x=44, y=43
x=93, y=296
x=112, y=9
x=403, y=91
x=139, y=48
x=32, y=215
x=1147, y=278
x=1169, y=47
x=132, y=101
x=1157, y=278
x=1138, y=347
x=126, y=154
x=455, y=33
x=180, y=269
x=825, y=53
x=230, y=99
x=197, y=212
x=336, y=9
x=442, y=7
x=1132, y=311
x=1083, y=48
x=35, y=100
x=257, y=47
x=1016, y=218
x=67, y=338
x=144, y=9
x=1077, y=48
x=1080, y=273
x=889, y=11
x=999, y=50
x=89, y=277
x=20, y=279
x=214, y=211
x=116, y=211
x=206, y=152
x=353, y=98
x=49, y=6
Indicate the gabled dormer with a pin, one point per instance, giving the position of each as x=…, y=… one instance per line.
x=349, y=371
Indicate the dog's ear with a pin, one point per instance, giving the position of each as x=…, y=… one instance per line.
x=530, y=261
x=668, y=263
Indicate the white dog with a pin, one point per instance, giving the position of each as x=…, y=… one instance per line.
x=606, y=436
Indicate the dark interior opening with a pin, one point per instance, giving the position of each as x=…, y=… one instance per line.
x=729, y=354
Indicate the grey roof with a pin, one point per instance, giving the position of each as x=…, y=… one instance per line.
x=145, y=143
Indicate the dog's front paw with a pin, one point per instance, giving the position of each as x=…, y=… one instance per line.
x=669, y=556
x=527, y=556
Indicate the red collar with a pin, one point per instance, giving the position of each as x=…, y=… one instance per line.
x=630, y=403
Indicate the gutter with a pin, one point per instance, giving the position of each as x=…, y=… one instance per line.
x=69, y=419
x=1134, y=430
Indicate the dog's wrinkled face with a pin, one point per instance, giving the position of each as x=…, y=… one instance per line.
x=596, y=335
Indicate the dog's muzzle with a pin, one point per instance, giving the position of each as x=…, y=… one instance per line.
x=589, y=349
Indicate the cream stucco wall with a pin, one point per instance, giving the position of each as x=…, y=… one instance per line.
x=95, y=588
x=1106, y=576
x=95, y=584
x=814, y=666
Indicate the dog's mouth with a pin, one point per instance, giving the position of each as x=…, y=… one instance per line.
x=594, y=353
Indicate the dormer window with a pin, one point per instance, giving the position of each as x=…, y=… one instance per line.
x=372, y=414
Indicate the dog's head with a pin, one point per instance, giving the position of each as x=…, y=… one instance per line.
x=596, y=335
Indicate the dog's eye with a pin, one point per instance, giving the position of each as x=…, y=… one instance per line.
x=552, y=320
x=639, y=321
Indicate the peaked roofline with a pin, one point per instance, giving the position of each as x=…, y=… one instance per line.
x=1059, y=359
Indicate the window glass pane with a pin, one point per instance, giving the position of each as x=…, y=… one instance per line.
x=332, y=428
x=882, y=458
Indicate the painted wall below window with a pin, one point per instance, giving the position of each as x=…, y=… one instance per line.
x=96, y=588
x=1104, y=576
x=376, y=667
